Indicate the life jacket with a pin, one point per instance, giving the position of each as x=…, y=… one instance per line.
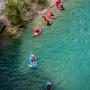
x=33, y=59
x=38, y=30
x=49, y=87
x=58, y=1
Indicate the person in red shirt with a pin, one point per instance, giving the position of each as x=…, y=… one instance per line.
x=51, y=15
x=33, y=58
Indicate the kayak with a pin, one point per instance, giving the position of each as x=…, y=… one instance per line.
x=48, y=86
x=30, y=64
x=51, y=16
x=37, y=32
x=46, y=22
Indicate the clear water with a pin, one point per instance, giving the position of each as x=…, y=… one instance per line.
x=63, y=48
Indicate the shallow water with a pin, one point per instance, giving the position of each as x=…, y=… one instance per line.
x=63, y=48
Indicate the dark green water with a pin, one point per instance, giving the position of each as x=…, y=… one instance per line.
x=63, y=48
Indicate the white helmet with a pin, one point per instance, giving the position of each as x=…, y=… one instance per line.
x=32, y=55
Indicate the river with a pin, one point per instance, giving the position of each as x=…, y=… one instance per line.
x=63, y=48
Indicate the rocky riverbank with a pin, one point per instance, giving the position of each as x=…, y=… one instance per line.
x=28, y=12
x=16, y=14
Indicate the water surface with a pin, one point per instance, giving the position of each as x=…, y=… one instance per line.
x=63, y=48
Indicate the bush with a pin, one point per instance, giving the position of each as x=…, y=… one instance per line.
x=13, y=12
x=16, y=11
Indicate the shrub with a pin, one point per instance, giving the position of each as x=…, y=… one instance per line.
x=13, y=12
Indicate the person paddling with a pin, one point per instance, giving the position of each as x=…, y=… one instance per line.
x=45, y=20
x=49, y=86
x=33, y=58
x=51, y=15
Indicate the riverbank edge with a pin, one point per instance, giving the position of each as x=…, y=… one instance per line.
x=17, y=32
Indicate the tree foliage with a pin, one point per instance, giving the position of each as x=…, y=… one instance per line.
x=17, y=11
x=13, y=12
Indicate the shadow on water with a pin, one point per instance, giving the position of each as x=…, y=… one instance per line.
x=9, y=61
x=11, y=78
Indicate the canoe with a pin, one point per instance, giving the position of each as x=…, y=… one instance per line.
x=30, y=64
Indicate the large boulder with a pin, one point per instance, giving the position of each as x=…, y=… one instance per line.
x=12, y=31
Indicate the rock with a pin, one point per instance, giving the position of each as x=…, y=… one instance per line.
x=44, y=11
x=12, y=31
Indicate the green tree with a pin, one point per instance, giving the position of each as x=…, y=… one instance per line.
x=13, y=12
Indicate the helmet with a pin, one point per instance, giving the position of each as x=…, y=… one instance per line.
x=33, y=55
x=48, y=83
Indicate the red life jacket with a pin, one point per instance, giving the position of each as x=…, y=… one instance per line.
x=33, y=59
x=49, y=87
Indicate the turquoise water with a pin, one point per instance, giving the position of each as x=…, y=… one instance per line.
x=63, y=48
